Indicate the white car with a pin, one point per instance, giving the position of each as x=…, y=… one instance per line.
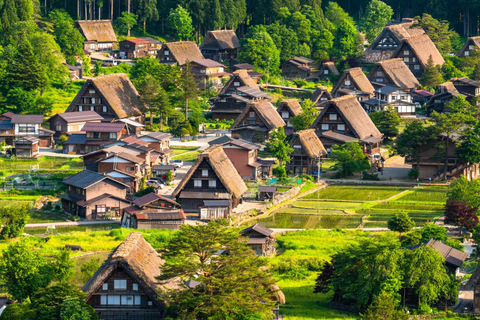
x=155, y=183
x=178, y=163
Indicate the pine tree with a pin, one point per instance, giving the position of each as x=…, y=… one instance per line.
x=188, y=85
x=218, y=19
x=431, y=76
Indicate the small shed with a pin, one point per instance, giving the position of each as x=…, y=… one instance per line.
x=26, y=146
x=260, y=239
x=214, y=209
x=160, y=171
x=267, y=192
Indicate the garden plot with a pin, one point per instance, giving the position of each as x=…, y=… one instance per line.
x=355, y=193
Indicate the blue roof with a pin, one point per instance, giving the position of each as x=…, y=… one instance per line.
x=77, y=139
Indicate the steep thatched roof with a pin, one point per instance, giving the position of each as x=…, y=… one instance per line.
x=470, y=41
x=223, y=39
x=330, y=66
x=355, y=116
x=359, y=79
x=118, y=92
x=423, y=47
x=398, y=73
x=319, y=92
x=246, y=79
x=183, y=51
x=292, y=105
x=223, y=168
x=265, y=110
x=446, y=87
x=311, y=143
x=97, y=30
x=137, y=257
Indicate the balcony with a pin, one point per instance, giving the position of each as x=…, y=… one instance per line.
x=451, y=161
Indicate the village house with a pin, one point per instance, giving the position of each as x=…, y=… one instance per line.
x=320, y=95
x=391, y=37
x=472, y=43
x=161, y=170
x=328, y=72
x=244, y=157
x=25, y=133
x=393, y=72
x=208, y=73
x=96, y=135
x=453, y=258
x=239, y=91
x=415, y=52
x=137, y=48
x=400, y=100
x=178, y=53
x=468, y=87
x=343, y=119
x=297, y=68
x=288, y=109
x=256, y=122
x=153, y=211
x=220, y=45
x=445, y=93
x=249, y=68
x=67, y=123
x=353, y=82
x=421, y=96
x=159, y=141
x=260, y=239
x=76, y=73
x=98, y=34
x=212, y=188
x=144, y=160
x=125, y=286
x=91, y=196
x=307, y=151
x=112, y=96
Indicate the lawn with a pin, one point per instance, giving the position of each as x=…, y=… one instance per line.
x=43, y=163
x=426, y=195
x=323, y=220
x=355, y=193
x=185, y=153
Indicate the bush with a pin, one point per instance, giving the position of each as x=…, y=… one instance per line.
x=413, y=174
x=279, y=172
x=306, y=177
x=370, y=176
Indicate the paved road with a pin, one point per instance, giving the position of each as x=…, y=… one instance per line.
x=70, y=224
x=51, y=153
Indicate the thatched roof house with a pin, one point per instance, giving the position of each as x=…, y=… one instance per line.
x=328, y=71
x=312, y=146
x=353, y=81
x=129, y=270
x=307, y=149
x=243, y=79
x=471, y=44
x=393, y=72
x=112, y=96
x=321, y=94
x=220, y=45
x=177, y=53
x=99, y=34
x=291, y=105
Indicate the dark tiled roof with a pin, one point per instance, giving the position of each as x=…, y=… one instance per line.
x=267, y=189
x=208, y=63
x=253, y=92
x=260, y=229
x=151, y=197
x=99, y=198
x=216, y=203
x=103, y=126
x=243, y=66
x=163, y=167
x=6, y=124
x=77, y=139
x=387, y=89
x=158, y=135
x=156, y=214
x=452, y=256
x=84, y=179
x=80, y=116
x=27, y=118
x=337, y=136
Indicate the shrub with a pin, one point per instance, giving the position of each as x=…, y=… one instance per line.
x=218, y=126
x=370, y=176
x=279, y=172
x=413, y=174
x=62, y=138
x=306, y=177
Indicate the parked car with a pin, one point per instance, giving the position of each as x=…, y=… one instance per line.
x=178, y=163
x=110, y=63
x=155, y=183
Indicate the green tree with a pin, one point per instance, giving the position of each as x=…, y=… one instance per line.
x=401, y=223
x=89, y=268
x=87, y=69
x=279, y=146
x=285, y=39
x=346, y=42
x=301, y=25
x=305, y=119
x=336, y=15
x=232, y=285
x=13, y=220
x=259, y=50
x=431, y=76
x=74, y=309
x=18, y=311
x=469, y=149
x=189, y=86
x=387, y=122
x=350, y=159
x=68, y=38
x=465, y=191
x=384, y=307
x=431, y=230
x=126, y=22
x=376, y=16
x=181, y=23
x=147, y=11
x=167, y=75
x=438, y=31
x=63, y=266
x=154, y=96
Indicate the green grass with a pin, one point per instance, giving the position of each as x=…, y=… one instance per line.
x=176, y=150
x=185, y=153
x=409, y=206
x=324, y=220
x=358, y=193
x=426, y=195
x=43, y=163
x=314, y=211
x=63, y=97
x=326, y=204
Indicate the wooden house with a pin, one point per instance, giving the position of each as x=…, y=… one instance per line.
x=161, y=170
x=288, y=109
x=307, y=151
x=400, y=99
x=125, y=286
x=249, y=68
x=256, y=122
x=91, y=195
x=415, y=52
x=72, y=122
x=421, y=96
x=208, y=73
x=266, y=193
x=220, y=45
x=97, y=134
x=453, y=258
x=26, y=146
x=471, y=44
x=328, y=72
x=76, y=73
x=244, y=157
x=178, y=53
x=239, y=91
x=137, y=48
x=98, y=34
x=260, y=239
x=19, y=126
x=467, y=87
x=391, y=37
x=211, y=178
x=112, y=96
x=444, y=93
x=343, y=119
x=320, y=95
x=393, y=72
x=124, y=167
x=159, y=141
x=297, y=68
x=353, y=82
x=153, y=211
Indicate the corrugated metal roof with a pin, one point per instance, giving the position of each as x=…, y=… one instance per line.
x=27, y=118
x=208, y=63
x=151, y=197
x=84, y=179
x=103, y=126
x=79, y=116
x=76, y=139
x=6, y=125
x=158, y=135
x=216, y=203
x=131, y=123
x=258, y=228
x=267, y=189
x=252, y=92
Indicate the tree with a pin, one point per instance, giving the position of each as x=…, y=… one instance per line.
x=469, y=149
x=154, y=96
x=350, y=159
x=464, y=191
x=346, y=41
x=279, y=146
x=13, y=219
x=147, y=11
x=232, y=285
x=181, y=23
x=431, y=230
x=63, y=266
x=126, y=22
x=305, y=119
x=324, y=279
x=259, y=50
x=387, y=122
x=167, y=75
x=461, y=214
x=336, y=15
x=376, y=16
x=68, y=38
x=89, y=268
x=431, y=76
x=285, y=39
x=74, y=309
x=384, y=307
x=23, y=270
x=438, y=31
x=188, y=86
x=401, y=223
x=18, y=311
x=87, y=69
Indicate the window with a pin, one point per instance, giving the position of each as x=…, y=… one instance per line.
x=341, y=127
x=138, y=300
x=95, y=135
x=69, y=188
x=119, y=284
x=80, y=108
x=379, y=73
x=406, y=59
x=102, y=208
x=130, y=169
x=325, y=126
x=79, y=191
x=467, y=53
x=220, y=69
x=114, y=299
x=212, y=183
x=236, y=84
x=323, y=99
x=135, y=287
x=103, y=300
x=416, y=67
x=92, y=108
x=104, y=109
x=414, y=59
x=394, y=98
x=403, y=98
x=470, y=47
x=150, y=303
x=406, y=52
x=204, y=173
x=58, y=127
x=347, y=82
x=325, y=71
x=112, y=135
x=297, y=147
x=93, y=100
x=285, y=115
x=252, y=114
x=105, y=286
x=379, y=79
x=167, y=53
x=197, y=183
x=332, y=116
x=127, y=300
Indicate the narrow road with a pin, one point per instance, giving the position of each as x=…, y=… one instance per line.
x=70, y=224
